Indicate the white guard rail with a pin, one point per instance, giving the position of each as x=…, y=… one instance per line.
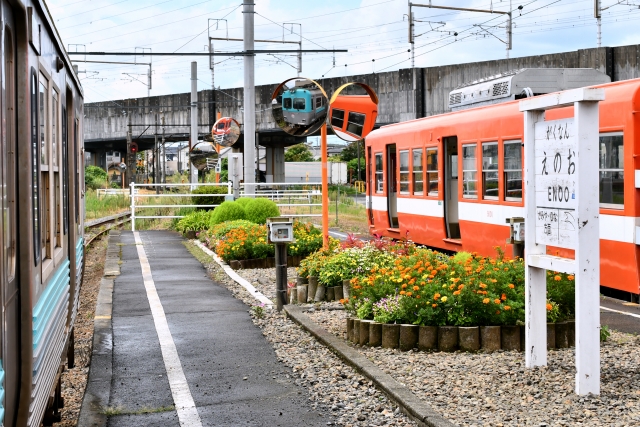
x=285, y=195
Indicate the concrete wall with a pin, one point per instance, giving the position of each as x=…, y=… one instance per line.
x=404, y=95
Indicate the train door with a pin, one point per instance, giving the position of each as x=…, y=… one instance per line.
x=9, y=291
x=369, y=187
x=451, y=187
x=392, y=186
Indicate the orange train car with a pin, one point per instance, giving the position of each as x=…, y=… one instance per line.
x=452, y=181
x=351, y=115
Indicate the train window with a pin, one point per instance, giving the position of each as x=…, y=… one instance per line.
x=318, y=102
x=65, y=176
x=356, y=123
x=299, y=104
x=45, y=187
x=55, y=116
x=612, y=170
x=404, y=172
x=490, y=186
x=513, y=170
x=379, y=173
x=469, y=172
x=337, y=118
x=418, y=172
x=432, y=171
x=35, y=175
x=286, y=103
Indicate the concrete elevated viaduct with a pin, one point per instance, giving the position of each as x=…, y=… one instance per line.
x=405, y=94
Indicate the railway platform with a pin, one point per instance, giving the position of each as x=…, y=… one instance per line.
x=173, y=348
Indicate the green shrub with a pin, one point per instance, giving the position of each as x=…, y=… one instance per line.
x=243, y=201
x=227, y=211
x=220, y=230
x=95, y=177
x=202, y=199
x=258, y=210
x=195, y=221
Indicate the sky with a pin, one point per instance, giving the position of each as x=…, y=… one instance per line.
x=375, y=32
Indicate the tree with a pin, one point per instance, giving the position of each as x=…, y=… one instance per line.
x=352, y=166
x=350, y=152
x=298, y=153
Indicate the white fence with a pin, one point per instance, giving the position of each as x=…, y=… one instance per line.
x=285, y=195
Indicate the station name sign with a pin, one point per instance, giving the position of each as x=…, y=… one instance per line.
x=556, y=163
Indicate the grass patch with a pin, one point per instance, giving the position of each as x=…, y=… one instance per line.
x=111, y=411
x=198, y=253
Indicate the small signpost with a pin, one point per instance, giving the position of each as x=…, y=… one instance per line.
x=562, y=210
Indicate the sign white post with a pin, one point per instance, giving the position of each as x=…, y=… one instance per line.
x=562, y=210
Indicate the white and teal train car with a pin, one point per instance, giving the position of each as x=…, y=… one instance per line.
x=41, y=225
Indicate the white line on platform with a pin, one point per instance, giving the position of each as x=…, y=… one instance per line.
x=185, y=406
x=620, y=312
x=235, y=276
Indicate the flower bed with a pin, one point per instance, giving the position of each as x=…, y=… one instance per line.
x=397, y=282
x=243, y=244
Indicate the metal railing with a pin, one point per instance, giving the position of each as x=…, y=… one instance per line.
x=285, y=195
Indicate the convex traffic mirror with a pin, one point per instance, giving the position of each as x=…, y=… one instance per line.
x=299, y=106
x=225, y=131
x=353, y=111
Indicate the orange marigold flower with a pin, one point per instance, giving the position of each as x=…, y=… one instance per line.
x=506, y=269
x=507, y=308
x=416, y=288
x=434, y=272
x=496, y=269
x=486, y=301
x=402, y=292
x=461, y=287
x=456, y=292
x=571, y=277
x=342, y=300
x=418, y=296
x=404, y=286
x=408, y=294
x=549, y=307
x=434, y=305
x=557, y=278
x=493, y=280
x=497, y=311
x=482, y=285
x=503, y=297
x=496, y=301
x=511, y=286
x=436, y=296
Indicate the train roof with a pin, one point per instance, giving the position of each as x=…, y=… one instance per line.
x=616, y=93
x=44, y=9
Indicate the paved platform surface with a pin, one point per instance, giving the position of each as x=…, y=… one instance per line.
x=231, y=371
x=620, y=315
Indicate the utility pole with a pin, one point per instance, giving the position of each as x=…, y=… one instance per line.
x=249, y=99
x=129, y=172
x=299, y=44
x=164, y=157
x=193, y=177
x=411, y=38
x=597, y=13
x=156, y=157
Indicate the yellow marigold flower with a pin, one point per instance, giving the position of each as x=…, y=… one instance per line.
x=443, y=299
x=486, y=301
x=557, y=278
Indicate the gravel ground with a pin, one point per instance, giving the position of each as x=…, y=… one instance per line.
x=74, y=381
x=352, y=398
x=496, y=389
